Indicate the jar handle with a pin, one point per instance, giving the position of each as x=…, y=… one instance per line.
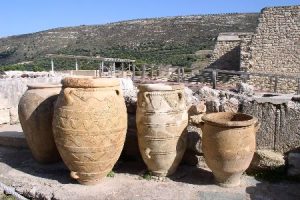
x=67, y=94
x=146, y=97
x=147, y=153
x=74, y=175
x=257, y=126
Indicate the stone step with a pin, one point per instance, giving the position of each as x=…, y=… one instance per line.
x=12, y=136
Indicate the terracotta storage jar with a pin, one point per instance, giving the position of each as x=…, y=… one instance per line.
x=228, y=144
x=89, y=125
x=35, y=113
x=161, y=122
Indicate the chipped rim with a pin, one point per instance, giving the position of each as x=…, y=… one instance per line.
x=223, y=119
x=43, y=85
x=89, y=82
x=153, y=87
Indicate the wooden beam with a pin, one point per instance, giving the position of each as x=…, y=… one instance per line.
x=89, y=58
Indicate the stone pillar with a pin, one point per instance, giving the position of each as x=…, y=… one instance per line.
x=178, y=74
x=113, y=71
x=122, y=65
x=133, y=73
x=158, y=71
x=52, y=65
x=76, y=65
x=101, y=69
x=143, y=72
x=151, y=75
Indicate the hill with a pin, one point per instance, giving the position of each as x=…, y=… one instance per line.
x=171, y=40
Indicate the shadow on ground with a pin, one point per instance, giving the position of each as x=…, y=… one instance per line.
x=275, y=191
x=22, y=160
x=193, y=175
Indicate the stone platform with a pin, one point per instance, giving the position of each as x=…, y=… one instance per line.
x=12, y=136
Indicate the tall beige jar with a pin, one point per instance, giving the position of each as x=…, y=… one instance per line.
x=161, y=122
x=89, y=125
x=35, y=113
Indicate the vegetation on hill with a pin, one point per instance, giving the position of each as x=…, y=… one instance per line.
x=173, y=40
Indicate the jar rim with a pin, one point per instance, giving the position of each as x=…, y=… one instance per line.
x=89, y=82
x=230, y=119
x=160, y=87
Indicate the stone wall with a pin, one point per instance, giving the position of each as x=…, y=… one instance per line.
x=274, y=48
x=226, y=52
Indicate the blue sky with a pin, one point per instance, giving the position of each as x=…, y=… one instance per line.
x=26, y=16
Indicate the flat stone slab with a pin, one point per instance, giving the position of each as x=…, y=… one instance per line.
x=12, y=136
x=36, y=181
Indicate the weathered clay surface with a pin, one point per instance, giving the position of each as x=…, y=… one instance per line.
x=35, y=113
x=228, y=144
x=90, y=122
x=161, y=120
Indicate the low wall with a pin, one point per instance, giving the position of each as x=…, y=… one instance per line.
x=280, y=122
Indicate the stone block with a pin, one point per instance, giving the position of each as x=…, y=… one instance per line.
x=266, y=160
x=293, y=164
x=266, y=114
x=14, y=117
x=199, y=108
x=212, y=105
x=244, y=88
x=4, y=116
x=288, y=137
x=231, y=105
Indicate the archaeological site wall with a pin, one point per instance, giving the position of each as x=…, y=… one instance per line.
x=226, y=54
x=275, y=46
x=274, y=49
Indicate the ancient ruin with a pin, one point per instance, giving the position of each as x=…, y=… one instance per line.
x=273, y=49
x=105, y=143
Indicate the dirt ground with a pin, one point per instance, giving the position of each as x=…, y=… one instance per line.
x=36, y=181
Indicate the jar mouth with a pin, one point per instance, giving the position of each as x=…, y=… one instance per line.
x=149, y=87
x=230, y=119
x=89, y=82
x=43, y=85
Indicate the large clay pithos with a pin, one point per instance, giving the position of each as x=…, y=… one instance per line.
x=228, y=144
x=89, y=126
x=35, y=113
x=161, y=122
